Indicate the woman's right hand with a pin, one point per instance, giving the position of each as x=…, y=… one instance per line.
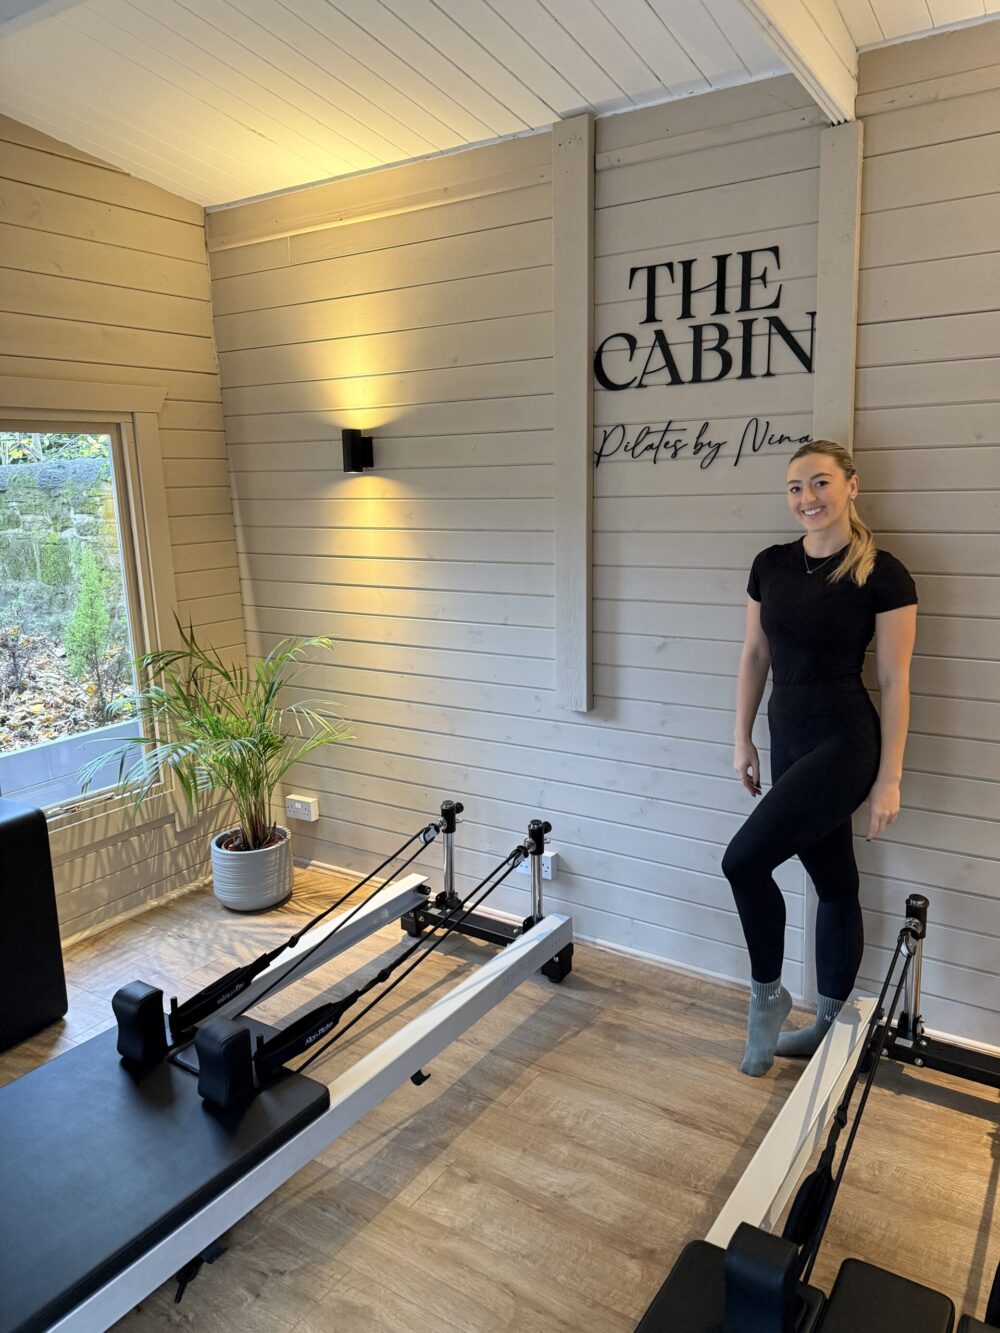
x=746, y=761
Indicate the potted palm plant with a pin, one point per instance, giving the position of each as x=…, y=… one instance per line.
x=222, y=728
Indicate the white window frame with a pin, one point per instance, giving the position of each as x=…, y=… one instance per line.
x=130, y=413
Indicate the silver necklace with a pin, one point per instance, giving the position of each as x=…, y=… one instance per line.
x=822, y=562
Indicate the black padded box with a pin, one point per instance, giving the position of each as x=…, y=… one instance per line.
x=32, y=982
x=693, y=1298
x=866, y=1299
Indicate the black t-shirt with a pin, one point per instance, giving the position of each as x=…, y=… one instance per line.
x=818, y=631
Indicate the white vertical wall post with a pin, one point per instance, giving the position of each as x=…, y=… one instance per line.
x=838, y=249
x=573, y=406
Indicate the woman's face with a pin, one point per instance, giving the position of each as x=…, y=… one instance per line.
x=819, y=494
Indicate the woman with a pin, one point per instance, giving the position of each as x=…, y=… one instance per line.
x=813, y=606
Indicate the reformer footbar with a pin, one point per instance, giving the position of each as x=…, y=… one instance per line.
x=744, y=1279
x=138, y=1007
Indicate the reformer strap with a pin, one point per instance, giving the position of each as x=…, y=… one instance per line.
x=229, y=1074
x=303, y=958
x=211, y=998
x=512, y=861
x=184, y=1017
x=813, y=1204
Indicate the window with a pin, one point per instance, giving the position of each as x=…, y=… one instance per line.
x=129, y=414
x=67, y=580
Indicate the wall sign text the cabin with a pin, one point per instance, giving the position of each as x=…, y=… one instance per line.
x=718, y=350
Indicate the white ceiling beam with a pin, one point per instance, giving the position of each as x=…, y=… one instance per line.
x=15, y=14
x=814, y=42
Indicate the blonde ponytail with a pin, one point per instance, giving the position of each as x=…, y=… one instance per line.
x=858, y=560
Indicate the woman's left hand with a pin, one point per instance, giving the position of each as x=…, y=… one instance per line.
x=883, y=803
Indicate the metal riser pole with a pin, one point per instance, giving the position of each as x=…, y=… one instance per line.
x=449, y=866
x=910, y=1025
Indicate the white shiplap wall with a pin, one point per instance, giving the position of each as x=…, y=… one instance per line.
x=432, y=327
x=928, y=449
x=105, y=281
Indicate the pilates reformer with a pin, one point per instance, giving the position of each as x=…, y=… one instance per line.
x=127, y=1157
x=745, y=1278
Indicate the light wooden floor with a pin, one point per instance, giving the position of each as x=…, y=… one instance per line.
x=562, y=1153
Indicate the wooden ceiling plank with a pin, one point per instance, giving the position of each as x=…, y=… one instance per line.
x=77, y=64
x=598, y=26
x=757, y=54
x=452, y=40
x=319, y=66
x=18, y=14
x=390, y=107
x=361, y=47
x=354, y=126
x=225, y=72
x=861, y=22
x=804, y=38
x=702, y=40
x=554, y=44
x=900, y=18
x=405, y=36
x=954, y=11
x=487, y=27
x=125, y=146
x=837, y=34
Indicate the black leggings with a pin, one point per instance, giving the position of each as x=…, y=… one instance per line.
x=825, y=752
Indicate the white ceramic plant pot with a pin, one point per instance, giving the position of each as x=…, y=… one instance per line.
x=252, y=881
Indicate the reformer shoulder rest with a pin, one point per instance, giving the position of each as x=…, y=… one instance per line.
x=750, y=1287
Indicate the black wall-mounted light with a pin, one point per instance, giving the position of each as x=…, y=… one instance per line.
x=358, y=453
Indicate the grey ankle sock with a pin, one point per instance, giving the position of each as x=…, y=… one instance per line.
x=805, y=1040
x=770, y=1005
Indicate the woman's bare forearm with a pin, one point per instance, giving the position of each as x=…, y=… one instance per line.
x=749, y=689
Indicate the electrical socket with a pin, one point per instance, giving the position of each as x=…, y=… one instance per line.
x=550, y=864
x=305, y=808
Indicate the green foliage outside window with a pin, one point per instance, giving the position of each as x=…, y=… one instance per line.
x=35, y=447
